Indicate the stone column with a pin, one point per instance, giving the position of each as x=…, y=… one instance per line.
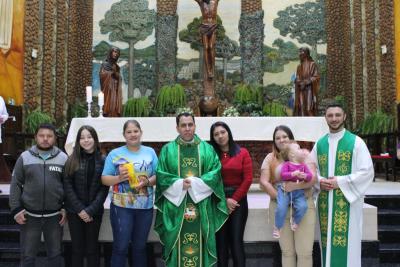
x=31, y=38
x=251, y=28
x=166, y=42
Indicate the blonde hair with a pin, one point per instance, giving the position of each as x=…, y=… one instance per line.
x=286, y=150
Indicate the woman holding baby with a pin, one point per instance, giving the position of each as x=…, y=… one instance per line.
x=296, y=237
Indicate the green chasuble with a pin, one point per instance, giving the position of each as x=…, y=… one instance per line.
x=339, y=205
x=188, y=232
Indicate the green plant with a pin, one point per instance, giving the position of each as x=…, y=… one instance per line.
x=35, y=118
x=245, y=94
x=170, y=98
x=249, y=109
x=63, y=128
x=340, y=99
x=137, y=107
x=78, y=110
x=274, y=109
x=377, y=122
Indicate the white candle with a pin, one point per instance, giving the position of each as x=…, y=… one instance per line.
x=101, y=98
x=89, y=94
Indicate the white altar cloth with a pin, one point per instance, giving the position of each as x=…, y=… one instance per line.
x=157, y=129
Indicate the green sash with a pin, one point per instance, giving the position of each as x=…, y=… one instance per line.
x=190, y=244
x=340, y=206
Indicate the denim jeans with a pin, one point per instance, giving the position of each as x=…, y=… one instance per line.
x=84, y=239
x=283, y=200
x=30, y=238
x=130, y=226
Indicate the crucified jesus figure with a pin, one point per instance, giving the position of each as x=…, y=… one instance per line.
x=208, y=32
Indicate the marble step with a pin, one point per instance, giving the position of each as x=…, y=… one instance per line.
x=390, y=253
x=383, y=201
x=9, y=233
x=388, y=234
x=4, y=202
x=6, y=218
x=388, y=217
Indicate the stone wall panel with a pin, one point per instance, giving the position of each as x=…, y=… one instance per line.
x=388, y=68
x=31, y=33
x=370, y=56
x=339, y=51
x=250, y=6
x=166, y=49
x=48, y=55
x=358, y=62
x=61, y=71
x=167, y=7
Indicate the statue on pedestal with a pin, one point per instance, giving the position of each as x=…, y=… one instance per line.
x=306, y=85
x=208, y=103
x=111, y=84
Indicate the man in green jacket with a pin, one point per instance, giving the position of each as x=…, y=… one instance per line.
x=190, y=200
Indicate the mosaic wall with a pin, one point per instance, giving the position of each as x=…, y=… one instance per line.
x=70, y=49
x=274, y=63
x=362, y=71
x=60, y=36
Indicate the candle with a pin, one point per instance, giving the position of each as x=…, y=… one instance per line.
x=89, y=94
x=101, y=98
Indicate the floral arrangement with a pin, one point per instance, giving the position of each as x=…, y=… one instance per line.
x=230, y=112
x=184, y=110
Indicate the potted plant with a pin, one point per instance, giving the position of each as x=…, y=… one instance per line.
x=35, y=118
x=137, y=107
x=170, y=98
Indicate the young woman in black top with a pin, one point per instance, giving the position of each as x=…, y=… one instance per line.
x=85, y=195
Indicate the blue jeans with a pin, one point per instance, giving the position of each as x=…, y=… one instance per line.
x=30, y=238
x=130, y=226
x=283, y=200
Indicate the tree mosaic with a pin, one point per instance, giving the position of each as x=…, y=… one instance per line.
x=129, y=21
x=278, y=55
x=303, y=22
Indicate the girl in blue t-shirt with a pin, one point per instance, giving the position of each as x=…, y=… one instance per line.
x=130, y=170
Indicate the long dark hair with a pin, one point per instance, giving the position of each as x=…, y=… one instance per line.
x=73, y=161
x=234, y=148
x=285, y=129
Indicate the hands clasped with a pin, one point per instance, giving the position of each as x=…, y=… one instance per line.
x=328, y=184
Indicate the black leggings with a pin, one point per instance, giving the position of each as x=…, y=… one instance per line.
x=230, y=236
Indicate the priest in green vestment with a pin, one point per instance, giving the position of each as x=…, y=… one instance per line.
x=345, y=171
x=190, y=201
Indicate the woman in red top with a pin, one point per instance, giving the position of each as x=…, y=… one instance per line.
x=237, y=175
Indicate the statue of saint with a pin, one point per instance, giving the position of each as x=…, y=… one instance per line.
x=111, y=84
x=306, y=85
x=208, y=32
